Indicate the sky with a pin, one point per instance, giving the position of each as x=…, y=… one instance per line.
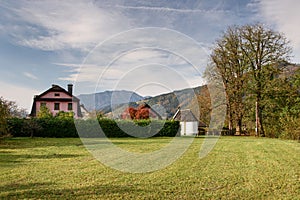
x=150, y=47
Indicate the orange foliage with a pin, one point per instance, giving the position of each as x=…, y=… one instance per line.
x=142, y=112
x=129, y=113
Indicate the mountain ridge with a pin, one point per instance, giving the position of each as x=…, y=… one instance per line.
x=119, y=100
x=99, y=100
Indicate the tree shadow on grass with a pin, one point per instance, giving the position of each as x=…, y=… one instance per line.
x=48, y=190
x=26, y=142
x=9, y=159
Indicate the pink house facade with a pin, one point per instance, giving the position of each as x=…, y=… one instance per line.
x=57, y=99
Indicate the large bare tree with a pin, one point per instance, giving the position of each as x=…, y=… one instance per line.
x=247, y=58
x=231, y=63
x=265, y=50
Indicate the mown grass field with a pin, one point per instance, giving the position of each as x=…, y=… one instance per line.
x=237, y=168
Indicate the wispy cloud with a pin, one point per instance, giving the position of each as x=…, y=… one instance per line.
x=55, y=25
x=141, y=68
x=72, y=29
x=30, y=75
x=285, y=16
x=152, y=8
x=125, y=53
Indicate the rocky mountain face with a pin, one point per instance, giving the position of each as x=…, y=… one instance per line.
x=102, y=100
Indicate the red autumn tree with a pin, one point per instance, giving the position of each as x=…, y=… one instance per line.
x=142, y=112
x=129, y=113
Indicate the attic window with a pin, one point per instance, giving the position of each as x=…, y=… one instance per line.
x=56, y=94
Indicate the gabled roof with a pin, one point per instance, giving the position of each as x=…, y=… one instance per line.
x=56, y=88
x=185, y=115
x=145, y=105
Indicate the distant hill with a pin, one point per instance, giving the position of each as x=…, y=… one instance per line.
x=104, y=100
x=197, y=99
x=184, y=98
x=165, y=104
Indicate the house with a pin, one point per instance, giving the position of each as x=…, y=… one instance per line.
x=84, y=112
x=57, y=99
x=189, y=124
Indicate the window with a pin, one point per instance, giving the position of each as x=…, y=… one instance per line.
x=43, y=104
x=56, y=106
x=56, y=94
x=70, y=106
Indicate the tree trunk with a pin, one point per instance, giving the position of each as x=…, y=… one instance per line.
x=229, y=111
x=259, y=119
x=239, y=112
x=230, y=123
x=238, y=126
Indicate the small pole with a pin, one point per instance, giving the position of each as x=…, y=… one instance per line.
x=256, y=118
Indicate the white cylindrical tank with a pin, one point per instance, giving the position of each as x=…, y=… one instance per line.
x=188, y=128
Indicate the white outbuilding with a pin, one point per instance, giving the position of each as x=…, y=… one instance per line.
x=188, y=122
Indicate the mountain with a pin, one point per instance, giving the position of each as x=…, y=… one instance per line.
x=103, y=100
x=171, y=101
x=113, y=103
x=165, y=104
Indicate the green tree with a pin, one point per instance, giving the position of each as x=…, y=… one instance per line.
x=4, y=114
x=9, y=109
x=65, y=115
x=248, y=59
x=44, y=112
x=31, y=126
x=289, y=118
x=265, y=50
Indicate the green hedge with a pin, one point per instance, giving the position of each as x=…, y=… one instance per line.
x=60, y=128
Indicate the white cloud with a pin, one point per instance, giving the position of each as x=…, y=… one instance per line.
x=55, y=25
x=67, y=25
x=81, y=72
x=121, y=59
x=144, y=70
x=285, y=15
x=29, y=75
x=167, y=9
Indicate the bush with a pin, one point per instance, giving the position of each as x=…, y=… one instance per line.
x=65, y=127
x=15, y=127
x=291, y=128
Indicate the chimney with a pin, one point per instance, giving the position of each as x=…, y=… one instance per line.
x=70, y=88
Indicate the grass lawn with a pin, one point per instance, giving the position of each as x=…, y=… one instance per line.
x=237, y=168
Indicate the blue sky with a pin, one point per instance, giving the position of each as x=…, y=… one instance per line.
x=83, y=42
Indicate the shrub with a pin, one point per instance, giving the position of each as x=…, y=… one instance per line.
x=16, y=126
x=291, y=128
x=65, y=127
x=44, y=112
